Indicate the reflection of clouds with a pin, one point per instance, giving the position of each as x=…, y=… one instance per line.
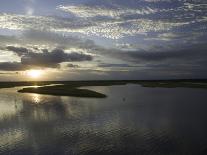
x=9, y=106
x=9, y=140
x=6, y=109
x=78, y=124
x=69, y=125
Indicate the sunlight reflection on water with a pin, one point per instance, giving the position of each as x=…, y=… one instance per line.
x=36, y=98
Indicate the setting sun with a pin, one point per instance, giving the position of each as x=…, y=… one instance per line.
x=34, y=73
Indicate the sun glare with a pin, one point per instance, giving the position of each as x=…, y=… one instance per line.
x=34, y=73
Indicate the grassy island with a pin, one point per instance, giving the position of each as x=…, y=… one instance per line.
x=62, y=90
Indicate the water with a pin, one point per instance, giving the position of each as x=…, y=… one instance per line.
x=131, y=120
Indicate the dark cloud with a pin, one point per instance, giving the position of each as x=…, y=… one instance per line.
x=105, y=65
x=48, y=59
x=72, y=66
x=18, y=50
x=159, y=55
x=13, y=66
x=188, y=62
x=53, y=58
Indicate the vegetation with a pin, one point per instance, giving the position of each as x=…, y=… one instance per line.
x=175, y=83
x=63, y=90
x=17, y=84
x=71, y=88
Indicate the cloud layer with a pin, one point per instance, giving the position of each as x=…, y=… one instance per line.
x=105, y=36
x=116, y=19
x=13, y=66
x=45, y=59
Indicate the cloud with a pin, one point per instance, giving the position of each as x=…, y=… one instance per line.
x=72, y=66
x=53, y=39
x=177, y=27
x=156, y=55
x=18, y=50
x=41, y=23
x=116, y=21
x=13, y=66
x=94, y=11
x=152, y=55
x=108, y=65
x=48, y=59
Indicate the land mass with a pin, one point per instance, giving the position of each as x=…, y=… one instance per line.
x=72, y=88
x=63, y=90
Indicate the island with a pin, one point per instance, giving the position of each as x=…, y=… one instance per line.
x=63, y=90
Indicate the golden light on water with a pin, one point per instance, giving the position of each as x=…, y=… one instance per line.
x=35, y=74
x=36, y=98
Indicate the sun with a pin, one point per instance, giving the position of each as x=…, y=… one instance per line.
x=35, y=73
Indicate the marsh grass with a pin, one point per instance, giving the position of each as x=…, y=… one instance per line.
x=63, y=90
x=72, y=88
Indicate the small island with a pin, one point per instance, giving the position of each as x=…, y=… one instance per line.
x=63, y=90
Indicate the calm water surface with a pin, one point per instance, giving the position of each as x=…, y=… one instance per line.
x=132, y=120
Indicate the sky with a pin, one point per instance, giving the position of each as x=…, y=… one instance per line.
x=103, y=39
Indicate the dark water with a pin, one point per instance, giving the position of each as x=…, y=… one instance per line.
x=131, y=121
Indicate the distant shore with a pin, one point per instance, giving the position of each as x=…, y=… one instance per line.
x=72, y=88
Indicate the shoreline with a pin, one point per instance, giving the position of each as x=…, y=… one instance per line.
x=72, y=88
